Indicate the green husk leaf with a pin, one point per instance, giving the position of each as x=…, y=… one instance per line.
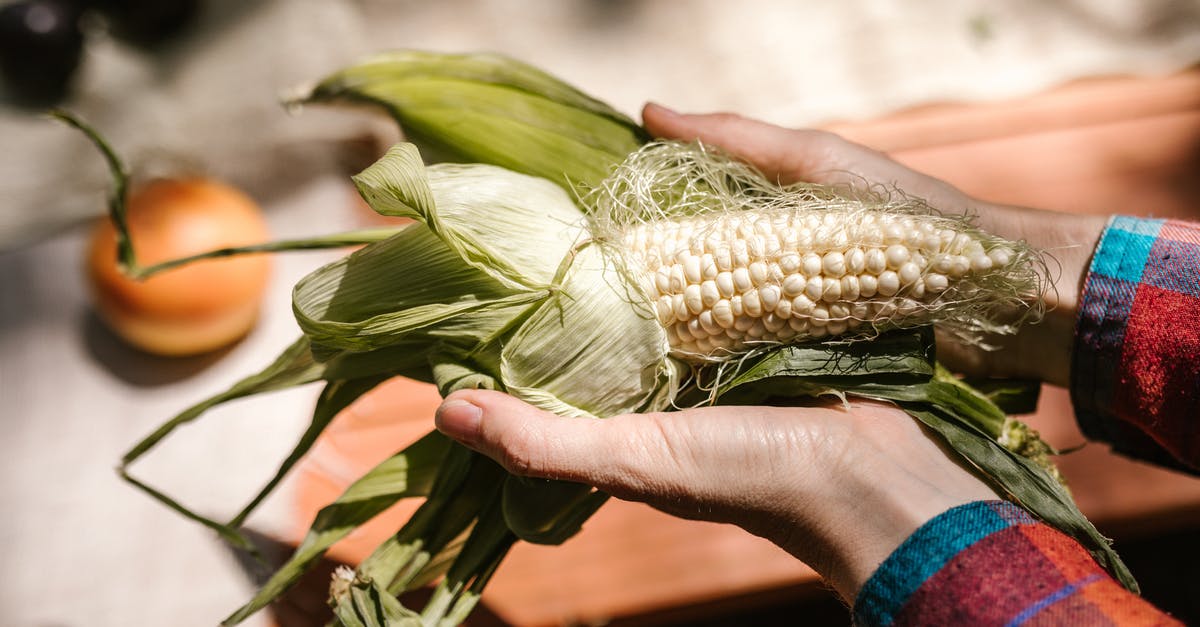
x=292, y=368
x=900, y=357
x=351, y=376
x=379, y=295
x=900, y=367
x=295, y=366
x=119, y=177
x=484, y=108
x=542, y=511
x=607, y=334
x=904, y=353
x=485, y=547
x=511, y=226
x=467, y=482
x=336, y=396
x=406, y=474
x=337, y=240
x=1011, y=396
x=359, y=602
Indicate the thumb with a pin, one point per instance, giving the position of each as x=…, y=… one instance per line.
x=532, y=442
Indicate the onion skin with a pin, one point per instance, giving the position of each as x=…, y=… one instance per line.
x=192, y=309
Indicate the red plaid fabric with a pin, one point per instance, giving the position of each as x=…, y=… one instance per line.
x=1135, y=372
x=990, y=563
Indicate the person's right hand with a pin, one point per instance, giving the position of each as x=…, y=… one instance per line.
x=1041, y=351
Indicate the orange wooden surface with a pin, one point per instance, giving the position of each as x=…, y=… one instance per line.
x=1101, y=146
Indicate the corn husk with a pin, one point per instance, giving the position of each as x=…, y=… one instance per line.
x=499, y=285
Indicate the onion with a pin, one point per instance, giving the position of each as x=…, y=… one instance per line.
x=195, y=308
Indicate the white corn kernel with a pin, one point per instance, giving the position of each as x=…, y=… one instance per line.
x=741, y=280
x=855, y=261
x=783, y=308
x=758, y=273
x=691, y=269
x=850, y=287
x=693, y=298
x=752, y=303
x=889, y=283
x=802, y=305
x=769, y=296
x=936, y=283
x=868, y=285
x=834, y=264
x=725, y=284
x=811, y=265
x=708, y=267
x=709, y=293
x=814, y=287
x=831, y=290
x=707, y=323
x=909, y=273
x=794, y=284
x=876, y=261
x=897, y=256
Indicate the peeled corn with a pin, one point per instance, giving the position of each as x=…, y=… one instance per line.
x=730, y=263
x=723, y=283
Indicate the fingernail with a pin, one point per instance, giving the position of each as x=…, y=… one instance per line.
x=662, y=110
x=459, y=419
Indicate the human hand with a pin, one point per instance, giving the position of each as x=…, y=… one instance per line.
x=1041, y=351
x=839, y=488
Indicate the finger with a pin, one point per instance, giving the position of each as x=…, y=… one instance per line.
x=531, y=442
x=783, y=154
x=791, y=155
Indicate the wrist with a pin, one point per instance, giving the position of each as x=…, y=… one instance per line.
x=1042, y=349
x=870, y=497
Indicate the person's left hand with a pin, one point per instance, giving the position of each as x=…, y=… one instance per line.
x=839, y=487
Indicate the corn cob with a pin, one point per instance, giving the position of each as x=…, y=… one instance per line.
x=724, y=283
x=729, y=265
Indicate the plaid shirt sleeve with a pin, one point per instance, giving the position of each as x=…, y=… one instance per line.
x=991, y=563
x=1135, y=371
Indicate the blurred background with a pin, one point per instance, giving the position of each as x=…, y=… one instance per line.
x=1086, y=106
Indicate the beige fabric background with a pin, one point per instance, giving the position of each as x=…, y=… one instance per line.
x=78, y=547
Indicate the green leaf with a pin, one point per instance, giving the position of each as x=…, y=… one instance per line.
x=542, y=511
x=336, y=396
x=408, y=473
x=295, y=366
x=465, y=484
x=393, y=290
x=900, y=358
x=484, y=549
x=321, y=242
x=119, y=176
x=362, y=603
x=514, y=227
x=591, y=350
x=1012, y=396
x=483, y=108
x=353, y=374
